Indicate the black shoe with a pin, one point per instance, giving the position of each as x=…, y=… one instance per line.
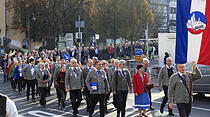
x=33, y=101
x=171, y=114
x=151, y=108
x=75, y=115
x=161, y=110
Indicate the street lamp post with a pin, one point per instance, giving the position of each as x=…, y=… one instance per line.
x=29, y=24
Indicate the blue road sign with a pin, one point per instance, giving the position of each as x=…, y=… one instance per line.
x=66, y=56
x=138, y=52
x=2, y=52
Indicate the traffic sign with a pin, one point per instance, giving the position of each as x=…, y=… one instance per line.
x=80, y=24
x=138, y=59
x=78, y=35
x=138, y=52
x=2, y=52
x=66, y=56
x=97, y=36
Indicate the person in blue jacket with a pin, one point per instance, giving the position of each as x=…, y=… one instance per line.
x=18, y=77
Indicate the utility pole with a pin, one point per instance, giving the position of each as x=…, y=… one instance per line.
x=80, y=24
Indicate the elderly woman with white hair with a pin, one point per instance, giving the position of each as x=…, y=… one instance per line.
x=147, y=70
x=43, y=76
x=121, y=86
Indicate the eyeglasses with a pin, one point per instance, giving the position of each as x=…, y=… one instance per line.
x=181, y=67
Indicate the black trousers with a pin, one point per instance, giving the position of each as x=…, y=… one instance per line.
x=43, y=91
x=94, y=99
x=87, y=98
x=24, y=84
x=165, y=99
x=61, y=96
x=150, y=97
x=37, y=88
x=76, y=98
x=121, y=102
x=49, y=86
x=18, y=82
x=12, y=82
x=184, y=109
x=5, y=74
x=106, y=99
x=30, y=84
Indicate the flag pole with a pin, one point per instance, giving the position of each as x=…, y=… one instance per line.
x=191, y=80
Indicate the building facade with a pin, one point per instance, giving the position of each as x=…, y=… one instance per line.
x=2, y=20
x=17, y=39
x=164, y=14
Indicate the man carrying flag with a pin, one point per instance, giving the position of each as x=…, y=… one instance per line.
x=192, y=45
x=179, y=87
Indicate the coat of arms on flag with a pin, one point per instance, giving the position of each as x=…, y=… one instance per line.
x=193, y=31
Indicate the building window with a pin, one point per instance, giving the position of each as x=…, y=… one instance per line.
x=173, y=10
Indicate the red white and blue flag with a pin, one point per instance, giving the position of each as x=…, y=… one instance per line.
x=193, y=31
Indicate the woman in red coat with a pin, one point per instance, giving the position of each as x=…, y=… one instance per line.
x=140, y=82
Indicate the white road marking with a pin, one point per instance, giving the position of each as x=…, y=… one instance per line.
x=198, y=108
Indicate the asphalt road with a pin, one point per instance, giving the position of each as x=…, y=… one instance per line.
x=201, y=106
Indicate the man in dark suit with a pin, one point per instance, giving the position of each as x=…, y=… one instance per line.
x=85, y=72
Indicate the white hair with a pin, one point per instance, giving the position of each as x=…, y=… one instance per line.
x=73, y=60
x=41, y=63
x=116, y=61
x=121, y=62
x=145, y=59
x=169, y=58
x=95, y=58
x=90, y=60
x=103, y=61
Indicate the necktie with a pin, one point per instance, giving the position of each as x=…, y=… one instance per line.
x=75, y=71
x=123, y=73
x=184, y=78
x=145, y=70
x=98, y=72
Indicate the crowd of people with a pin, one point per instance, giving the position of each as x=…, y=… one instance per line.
x=107, y=52
x=37, y=72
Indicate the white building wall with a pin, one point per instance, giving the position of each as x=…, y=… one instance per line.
x=166, y=43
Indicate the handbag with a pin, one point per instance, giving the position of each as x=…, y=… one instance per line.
x=150, y=86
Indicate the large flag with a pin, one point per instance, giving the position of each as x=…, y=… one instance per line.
x=193, y=31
